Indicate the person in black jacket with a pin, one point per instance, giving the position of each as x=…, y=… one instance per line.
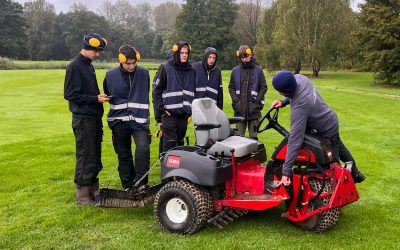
x=86, y=104
x=247, y=88
x=208, y=78
x=159, y=133
x=173, y=96
x=129, y=87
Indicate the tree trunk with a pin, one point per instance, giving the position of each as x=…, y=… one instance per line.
x=298, y=67
x=316, y=67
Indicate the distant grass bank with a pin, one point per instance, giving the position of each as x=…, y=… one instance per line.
x=151, y=64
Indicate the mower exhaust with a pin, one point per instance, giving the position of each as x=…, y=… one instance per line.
x=225, y=216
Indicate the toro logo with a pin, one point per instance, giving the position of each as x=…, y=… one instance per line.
x=173, y=161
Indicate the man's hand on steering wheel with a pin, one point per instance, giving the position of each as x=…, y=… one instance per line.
x=276, y=104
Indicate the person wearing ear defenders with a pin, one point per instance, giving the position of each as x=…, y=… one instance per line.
x=208, y=77
x=158, y=133
x=129, y=87
x=86, y=105
x=247, y=88
x=173, y=95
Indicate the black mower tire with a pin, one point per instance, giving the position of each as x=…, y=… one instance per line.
x=321, y=222
x=195, y=202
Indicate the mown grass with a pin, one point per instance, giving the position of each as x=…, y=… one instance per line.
x=37, y=155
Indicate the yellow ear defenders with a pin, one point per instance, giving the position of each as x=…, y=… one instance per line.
x=175, y=48
x=122, y=57
x=248, y=52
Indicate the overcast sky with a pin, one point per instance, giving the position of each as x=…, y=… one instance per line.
x=64, y=5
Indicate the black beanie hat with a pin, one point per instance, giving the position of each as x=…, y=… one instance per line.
x=284, y=82
x=93, y=41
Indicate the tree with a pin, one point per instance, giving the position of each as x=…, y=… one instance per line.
x=209, y=23
x=12, y=30
x=164, y=20
x=129, y=24
x=165, y=16
x=248, y=22
x=41, y=17
x=267, y=54
x=306, y=32
x=75, y=25
x=380, y=38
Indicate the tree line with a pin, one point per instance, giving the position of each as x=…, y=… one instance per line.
x=292, y=34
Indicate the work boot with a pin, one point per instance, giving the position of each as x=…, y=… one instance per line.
x=83, y=196
x=93, y=188
x=358, y=177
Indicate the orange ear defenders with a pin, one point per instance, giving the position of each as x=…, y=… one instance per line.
x=122, y=57
x=176, y=47
x=95, y=42
x=248, y=52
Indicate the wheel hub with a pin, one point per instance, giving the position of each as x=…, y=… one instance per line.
x=177, y=210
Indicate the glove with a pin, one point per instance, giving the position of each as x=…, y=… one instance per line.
x=189, y=120
x=158, y=133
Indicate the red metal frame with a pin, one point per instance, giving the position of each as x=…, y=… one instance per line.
x=302, y=156
x=246, y=188
x=343, y=192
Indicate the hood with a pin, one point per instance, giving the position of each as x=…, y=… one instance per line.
x=207, y=52
x=176, y=57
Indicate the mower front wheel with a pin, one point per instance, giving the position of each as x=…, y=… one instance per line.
x=182, y=207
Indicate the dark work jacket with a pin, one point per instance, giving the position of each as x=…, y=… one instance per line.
x=209, y=83
x=130, y=102
x=81, y=89
x=243, y=102
x=174, y=90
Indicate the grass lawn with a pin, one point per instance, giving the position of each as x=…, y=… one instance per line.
x=37, y=155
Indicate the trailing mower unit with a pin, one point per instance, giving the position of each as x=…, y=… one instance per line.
x=223, y=177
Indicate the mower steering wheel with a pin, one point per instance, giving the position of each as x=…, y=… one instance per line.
x=272, y=120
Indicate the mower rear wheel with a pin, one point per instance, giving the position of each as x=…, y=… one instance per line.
x=182, y=207
x=322, y=221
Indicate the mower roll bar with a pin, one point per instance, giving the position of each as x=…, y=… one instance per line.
x=272, y=122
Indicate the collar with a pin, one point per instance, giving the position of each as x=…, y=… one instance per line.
x=84, y=59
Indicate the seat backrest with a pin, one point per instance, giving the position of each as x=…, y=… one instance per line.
x=205, y=110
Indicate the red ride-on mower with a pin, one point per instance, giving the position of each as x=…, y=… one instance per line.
x=222, y=177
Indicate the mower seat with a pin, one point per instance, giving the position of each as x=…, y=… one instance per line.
x=206, y=112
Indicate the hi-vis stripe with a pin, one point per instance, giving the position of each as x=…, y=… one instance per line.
x=129, y=105
x=127, y=118
x=212, y=90
x=201, y=89
x=178, y=105
x=177, y=93
x=254, y=92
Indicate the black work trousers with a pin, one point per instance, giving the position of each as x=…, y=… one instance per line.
x=129, y=171
x=340, y=152
x=174, y=131
x=88, y=137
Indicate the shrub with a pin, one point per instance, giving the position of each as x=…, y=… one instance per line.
x=6, y=63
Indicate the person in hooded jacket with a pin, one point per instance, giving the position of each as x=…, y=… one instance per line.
x=208, y=78
x=173, y=95
x=158, y=133
x=247, y=88
x=129, y=116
